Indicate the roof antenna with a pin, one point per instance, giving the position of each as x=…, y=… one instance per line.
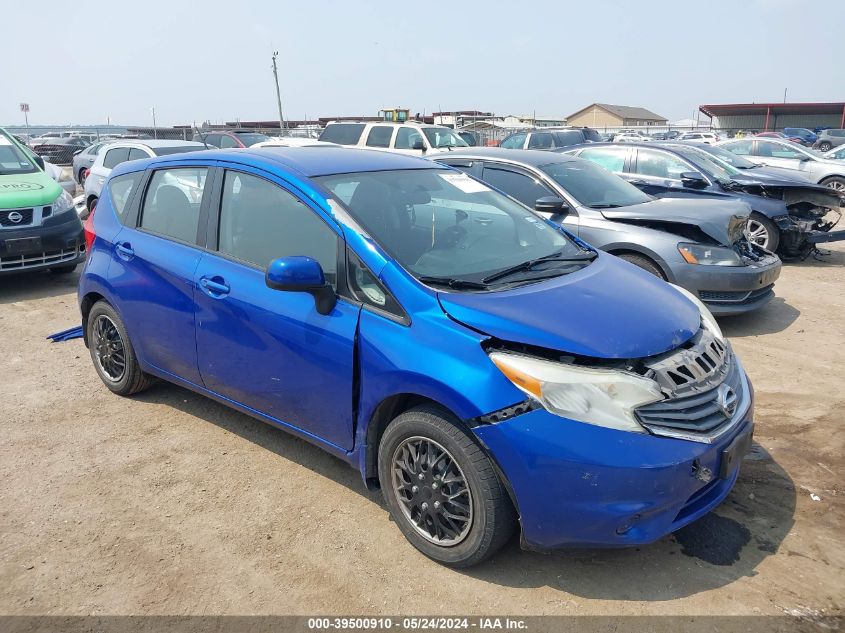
x=201, y=135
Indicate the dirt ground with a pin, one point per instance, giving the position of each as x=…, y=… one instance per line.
x=168, y=503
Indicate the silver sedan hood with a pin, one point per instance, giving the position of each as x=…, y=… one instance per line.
x=721, y=220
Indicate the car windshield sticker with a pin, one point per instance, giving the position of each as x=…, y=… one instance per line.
x=464, y=183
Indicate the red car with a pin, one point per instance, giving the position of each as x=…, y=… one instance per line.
x=230, y=138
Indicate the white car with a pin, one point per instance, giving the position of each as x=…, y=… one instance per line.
x=837, y=153
x=294, y=141
x=403, y=138
x=776, y=152
x=630, y=138
x=699, y=137
x=119, y=152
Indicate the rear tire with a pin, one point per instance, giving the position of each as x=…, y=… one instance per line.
x=112, y=352
x=763, y=232
x=81, y=179
x=424, y=458
x=645, y=263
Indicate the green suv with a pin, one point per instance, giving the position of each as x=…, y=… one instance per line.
x=39, y=227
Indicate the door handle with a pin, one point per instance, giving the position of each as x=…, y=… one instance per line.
x=124, y=249
x=214, y=288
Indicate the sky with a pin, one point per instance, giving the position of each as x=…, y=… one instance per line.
x=93, y=61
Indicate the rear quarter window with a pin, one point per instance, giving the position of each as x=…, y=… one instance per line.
x=121, y=190
x=343, y=133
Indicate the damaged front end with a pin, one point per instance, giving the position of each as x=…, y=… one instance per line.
x=811, y=212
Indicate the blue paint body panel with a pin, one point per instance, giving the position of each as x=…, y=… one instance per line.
x=322, y=377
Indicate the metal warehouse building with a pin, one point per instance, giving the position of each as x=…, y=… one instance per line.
x=775, y=116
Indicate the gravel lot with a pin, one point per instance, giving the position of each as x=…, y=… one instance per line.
x=169, y=503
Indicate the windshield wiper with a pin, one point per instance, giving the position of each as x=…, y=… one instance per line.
x=455, y=284
x=588, y=256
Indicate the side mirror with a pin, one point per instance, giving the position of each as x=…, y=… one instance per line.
x=39, y=161
x=551, y=204
x=301, y=274
x=419, y=144
x=804, y=158
x=693, y=180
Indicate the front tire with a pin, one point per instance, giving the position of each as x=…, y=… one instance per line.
x=112, y=352
x=442, y=490
x=645, y=263
x=836, y=183
x=825, y=147
x=762, y=232
x=81, y=179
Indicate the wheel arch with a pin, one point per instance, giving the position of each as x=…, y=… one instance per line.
x=384, y=413
x=636, y=249
x=85, y=306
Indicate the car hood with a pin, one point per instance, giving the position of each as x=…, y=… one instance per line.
x=770, y=173
x=792, y=192
x=609, y=309
x=27, y=190
x=720, y=219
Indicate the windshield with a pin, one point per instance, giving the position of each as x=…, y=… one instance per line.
x=251, y=138
x=593, y=186
x=13, y=160
x=443, y=137
x=442, y=224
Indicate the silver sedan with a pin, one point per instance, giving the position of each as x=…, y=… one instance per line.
x=783, y=153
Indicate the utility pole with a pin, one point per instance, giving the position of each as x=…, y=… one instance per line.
x=155, y=130
x=784, y=95
x=278, y=93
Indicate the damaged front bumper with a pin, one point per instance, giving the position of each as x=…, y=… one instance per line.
x=580, y=485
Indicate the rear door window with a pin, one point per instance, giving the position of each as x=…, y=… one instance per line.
x=406, y=137
x=515, y=141
x=611, y=158
x=172, y=203
x=567, y=138
x=660, y=165
x=115, y=156
x=227, y=141
x=379, y=136
x=137, y=154
x=343, y=133
x=517, y=185
x=541, y=140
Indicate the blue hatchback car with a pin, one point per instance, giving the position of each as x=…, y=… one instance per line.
x=483, y=367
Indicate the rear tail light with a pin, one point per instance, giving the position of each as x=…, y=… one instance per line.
x=88, y=229
x=87, y=172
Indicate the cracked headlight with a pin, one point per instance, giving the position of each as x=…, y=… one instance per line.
x=708, y=321
x=603, y=397
x=709, y=255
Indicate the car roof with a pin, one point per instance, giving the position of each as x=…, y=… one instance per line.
x=533, y=157
x=306, y=161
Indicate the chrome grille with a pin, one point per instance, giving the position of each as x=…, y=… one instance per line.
x=35, y=260
x=698, y=412
x=14, y=218
x=701, y=365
